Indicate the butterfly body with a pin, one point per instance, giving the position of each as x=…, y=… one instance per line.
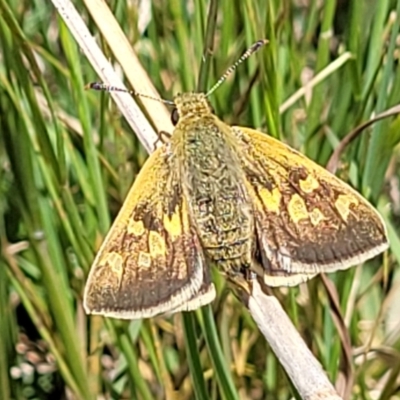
x=234, y=197
x=212, y=180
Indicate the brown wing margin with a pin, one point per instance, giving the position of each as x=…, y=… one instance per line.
x=307, y=220
x=151, y=261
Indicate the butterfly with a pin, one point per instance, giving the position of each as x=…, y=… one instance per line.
x=229, y=196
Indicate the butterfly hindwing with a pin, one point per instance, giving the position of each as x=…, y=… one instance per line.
x=151, y=261
x=307, y=220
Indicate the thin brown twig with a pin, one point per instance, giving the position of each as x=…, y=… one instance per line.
x=335, y=157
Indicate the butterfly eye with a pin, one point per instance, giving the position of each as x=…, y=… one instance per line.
x=175, y=116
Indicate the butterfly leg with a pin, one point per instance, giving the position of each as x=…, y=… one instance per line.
x=163, y=137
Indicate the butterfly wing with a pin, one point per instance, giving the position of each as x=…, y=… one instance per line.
x=205, y=295
x=307, y=220
x=151, y=261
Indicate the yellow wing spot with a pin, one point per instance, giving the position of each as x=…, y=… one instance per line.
x=157, y=245
x=113, y=259
x=271, y=200
x=115, y=263
x=297, y=209
x=144, y=260
x=136, y=228
x=343, y=203
x=309, y=184
x=316, y=216
x=173, y=224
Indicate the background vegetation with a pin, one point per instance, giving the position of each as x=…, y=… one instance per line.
x=67, y=159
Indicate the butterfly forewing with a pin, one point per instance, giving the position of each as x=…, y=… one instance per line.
x=151, y=261
x=307, y=220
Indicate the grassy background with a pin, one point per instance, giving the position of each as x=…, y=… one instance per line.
x=67, y=159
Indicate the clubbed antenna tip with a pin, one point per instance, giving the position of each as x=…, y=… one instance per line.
x=256, y=46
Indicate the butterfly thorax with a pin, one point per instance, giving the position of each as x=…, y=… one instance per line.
x=190, y=105
x=213, y=182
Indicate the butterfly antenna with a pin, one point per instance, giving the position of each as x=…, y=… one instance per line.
x=256, y=46
x=109, y=88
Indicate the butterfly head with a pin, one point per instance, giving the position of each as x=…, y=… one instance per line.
x=190, y=105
